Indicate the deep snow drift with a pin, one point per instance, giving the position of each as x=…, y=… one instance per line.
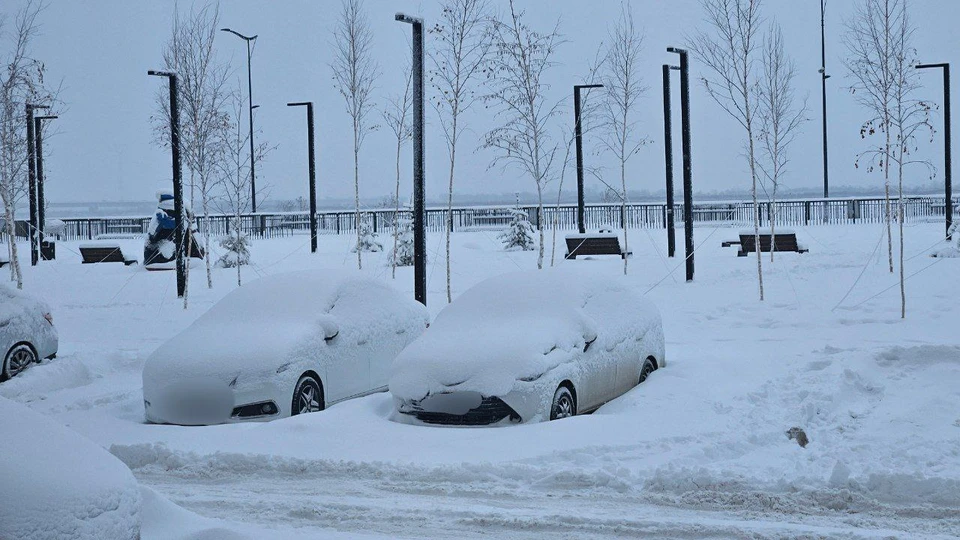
x=698, y=450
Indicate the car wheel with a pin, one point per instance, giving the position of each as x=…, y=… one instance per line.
x=307, y=397
x=17, y=360
x=563, y=405
x=646, y=370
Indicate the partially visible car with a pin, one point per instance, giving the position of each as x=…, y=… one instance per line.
x=529, y=346
x=27, y=333
x=54, y=483
x=282, y=345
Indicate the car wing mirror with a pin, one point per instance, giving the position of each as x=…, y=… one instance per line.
x=330, y=330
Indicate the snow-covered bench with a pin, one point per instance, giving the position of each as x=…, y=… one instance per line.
x=781, y=241
x=104, y=252
x=601, y=243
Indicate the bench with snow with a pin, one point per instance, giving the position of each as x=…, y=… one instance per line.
x=781, y=241
x=605, y=242
x=105, y=252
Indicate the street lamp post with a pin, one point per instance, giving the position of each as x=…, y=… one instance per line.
x=177, y=180
x=687, y=169
x=32, y=179
x=668, y=155
x=419, y=224
x=253, y=164
x=823, y=85
x=313, y=172
x=578, y=134
x=41, y=201
x=947, y=165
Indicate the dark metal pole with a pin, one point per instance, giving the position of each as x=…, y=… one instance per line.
x=947, y=158
x=178, y=235
x=823, y=82
x=41, y=201
x=668, y=155
x=419, y=223
x=253, y=162
x=313, y=173
x=687, y=169
x=32, y=179
x=578, y=136
x=579, y=143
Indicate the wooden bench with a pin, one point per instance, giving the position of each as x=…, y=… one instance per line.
x=786, y=241
x=604, y=243
x=93, y=254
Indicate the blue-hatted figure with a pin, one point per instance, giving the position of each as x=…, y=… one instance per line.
x=159, y=249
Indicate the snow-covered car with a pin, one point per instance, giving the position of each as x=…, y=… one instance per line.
x=27, y=334
x=282, y=345
x=54, y=483
x=527, y=347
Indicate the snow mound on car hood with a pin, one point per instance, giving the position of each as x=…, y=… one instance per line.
x=18, y=304
x=519, y=326
x=57, y=484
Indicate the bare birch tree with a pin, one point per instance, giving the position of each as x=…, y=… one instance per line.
x=780, y=117
x=519, y=59
x=458, y=58
x=623, y=88
x=234, y=166
x=354, y=74
x=882, y=64
x=21, y=82
x=202, y=88
x=396, y=116
x=729, y=52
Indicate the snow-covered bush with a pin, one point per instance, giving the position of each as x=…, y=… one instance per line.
x=520, y=233
x=367, y=240
x=403, y=255
x=237, y=246
x=950, y=251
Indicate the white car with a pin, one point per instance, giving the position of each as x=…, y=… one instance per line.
x=27, y=334
x=280, y=346
x=526, y=347
x=58, y=484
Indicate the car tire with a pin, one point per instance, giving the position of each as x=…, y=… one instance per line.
x=645, y=371
x=564, y=405
x=18, y=358
x=307, y=396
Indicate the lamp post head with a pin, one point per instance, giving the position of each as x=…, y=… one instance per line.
x=676, y=50
x=158, y=73
x=299, y=103
x=47, y=117
x=408, y=19
x=32, y=106
x=588, y=86
x=926, y=66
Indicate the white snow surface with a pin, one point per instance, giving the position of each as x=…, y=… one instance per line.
x=698, y=450
x=521, y=325
x=57, y=484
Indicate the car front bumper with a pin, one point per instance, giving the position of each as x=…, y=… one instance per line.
x=208, y=401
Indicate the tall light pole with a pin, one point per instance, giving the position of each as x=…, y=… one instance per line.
x=578, y=134
x=32, y=179
x=687, y=167
x=313, y=172
x=668, y=156
x=41, y=202
x=823, y=84
x=177, y=180
x=253, y=164
x=947, y=165
x=419, y=223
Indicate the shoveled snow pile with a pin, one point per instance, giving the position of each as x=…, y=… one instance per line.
x=519, y=326
x=54, y=483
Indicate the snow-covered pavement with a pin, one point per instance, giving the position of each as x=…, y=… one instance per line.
x=699, y=450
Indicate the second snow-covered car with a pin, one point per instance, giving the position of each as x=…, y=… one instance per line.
x=283, y=345
x=527, y=347
x=27, y=334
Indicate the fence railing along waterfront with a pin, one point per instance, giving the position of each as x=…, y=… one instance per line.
x=638, y=215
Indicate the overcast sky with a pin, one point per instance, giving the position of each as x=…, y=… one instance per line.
x=104, y=150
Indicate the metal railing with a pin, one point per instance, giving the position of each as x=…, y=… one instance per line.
x=640, y=215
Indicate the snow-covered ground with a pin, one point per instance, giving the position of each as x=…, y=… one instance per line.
x=699, y=450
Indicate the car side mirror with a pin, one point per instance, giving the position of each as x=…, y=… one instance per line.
x=330, y=330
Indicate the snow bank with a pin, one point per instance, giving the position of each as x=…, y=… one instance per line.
x=519, y=326
x=57, y=484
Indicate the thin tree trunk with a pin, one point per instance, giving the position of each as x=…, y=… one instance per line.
x=453, y=160
x=206, y=239
x=903, y=291
x=396, y=215
x=623, y=211
x=189, y=247
x=886, y=190
x=15, y=271
x=540, y=225
x=356, y=193
x=756, y=204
